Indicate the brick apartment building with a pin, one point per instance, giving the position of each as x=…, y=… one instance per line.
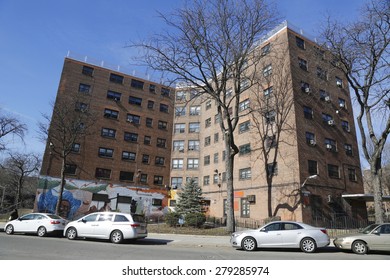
x=318, y=158
x=148, y=140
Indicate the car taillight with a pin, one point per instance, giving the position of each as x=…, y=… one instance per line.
x=135, y=225
x=55, y=222
x=324, y=231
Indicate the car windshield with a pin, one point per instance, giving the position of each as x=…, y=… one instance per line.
x=368, y=229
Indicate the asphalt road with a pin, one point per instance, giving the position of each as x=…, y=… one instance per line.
x=156, y=247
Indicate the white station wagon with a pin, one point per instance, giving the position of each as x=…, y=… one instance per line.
x=108, y=225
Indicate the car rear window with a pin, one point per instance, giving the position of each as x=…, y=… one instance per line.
x=52, y=216
x=138, y=218
x=121, y=218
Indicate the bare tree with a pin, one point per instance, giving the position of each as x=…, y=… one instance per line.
x=71, y=120
x=361, y=51
x=20, y=166
x=209, y=46
x=10, y=125
x=270, y=112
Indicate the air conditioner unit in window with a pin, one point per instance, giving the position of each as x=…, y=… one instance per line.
x=331, y=122
x=313, y=142
x=330, y=199
x=327, y=98
x=342, y=105
x=251, y=198
x=329, y=146
x=181, y=150
x=347, y=129
x=339, y=83
x=307, y=90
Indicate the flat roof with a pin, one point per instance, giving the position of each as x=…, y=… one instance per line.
x=367, y=197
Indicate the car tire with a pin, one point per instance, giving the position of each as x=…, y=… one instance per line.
x=9, y=229
x=359, y=247
x=41, y=232
x=116, y=236
x=308, y=245
x=249, y=244
x=71, y=233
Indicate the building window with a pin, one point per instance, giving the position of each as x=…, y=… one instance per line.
x=135, y=100
x=312, y=167
x=245, y=208
x=266, y=49
x=143, y=178
x=162, y=125
x=83, y=88
x=272, y=169
x=133, y=119
x=161, y=143
x=152, y=88
x=158, y=180
x=345, y=126
x=116, y=96
x=81, y=107
x=194, y=127
x=244, y=84
x=328, y=119
x=165, y=92
x=176, y=182
x=145, y=159
x=70, y=169
x=216, y=137
x=216, y=157
x=159, y=160
x=270, y=141
x=128, y=156
x=111, y=114
x=305, y=87
x=300, y=42
x=179, y=128
x=324, y=96
x=267, y=71
x=193, y=145
x=243, y=105
x=322, y=74
x=348, y=149
x=208, y=104
x=268, y=92
x=76, y=148
x=302, y=64
x=308, y=112
x=330, y=145
x=116, y=78
x=103, y=173
x=342, y=103
x=206, y=180
x=208, y=122
x=339, y=82
x=310, y=138
x=180, y=111
x=147, y=140
x=192, y=163
x=243, y=127
x=194, y=110
x=245, y=173
x=180, y=96
x=206, y=160
x=149, y=122
x=178, y=145
x=137, y=84
x=126, y=176
x=108, y=132
x=177, y=163
x=130, y=137
x=105, y=152
x=245, y=149
x=88, y=71
x=352, y=174
x=164, y=108
x=215, y=178
x=207, y=141
x=150, y=104
x=270, y=116
x=333, y=171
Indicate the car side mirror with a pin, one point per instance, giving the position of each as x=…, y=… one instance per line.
x=84, y=221
x=376, y=232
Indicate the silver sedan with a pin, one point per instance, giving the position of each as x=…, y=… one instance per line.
x=282, y=234
x=373, y=237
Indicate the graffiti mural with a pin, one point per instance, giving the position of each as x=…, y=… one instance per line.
x=83, y=197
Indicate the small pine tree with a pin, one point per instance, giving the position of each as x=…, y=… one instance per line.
x=190, y=199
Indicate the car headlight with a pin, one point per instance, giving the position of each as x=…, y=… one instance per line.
x=235, y=234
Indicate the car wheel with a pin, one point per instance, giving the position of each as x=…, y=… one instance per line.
x=308, y=245
x=9, y=229
x=41, y=232
x=116, y=236
x=71, y=233
x=249, y=244
x=359, y=247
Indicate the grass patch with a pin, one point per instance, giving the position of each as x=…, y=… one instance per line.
x=164, y=228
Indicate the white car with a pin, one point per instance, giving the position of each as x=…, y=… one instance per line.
x=108, y=225
x=282, y=234
x=39, y=223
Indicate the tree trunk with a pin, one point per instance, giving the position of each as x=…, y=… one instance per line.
x=59, y=201
x=377, y=189
x=230, y=221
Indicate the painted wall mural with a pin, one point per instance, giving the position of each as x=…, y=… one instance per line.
x=83, y=197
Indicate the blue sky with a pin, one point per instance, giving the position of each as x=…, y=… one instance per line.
x=35, y=36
